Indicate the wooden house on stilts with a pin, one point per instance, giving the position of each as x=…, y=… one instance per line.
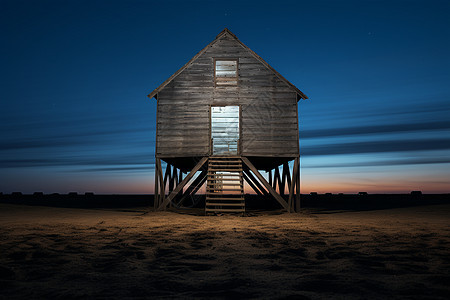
x=222, y=118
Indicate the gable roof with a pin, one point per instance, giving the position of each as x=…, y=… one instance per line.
x=300, y=94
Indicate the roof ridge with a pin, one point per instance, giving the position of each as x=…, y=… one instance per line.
x=300, y=94
x=226, y=30
x=266, y=64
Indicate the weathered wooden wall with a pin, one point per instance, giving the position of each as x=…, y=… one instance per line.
x=269, y=125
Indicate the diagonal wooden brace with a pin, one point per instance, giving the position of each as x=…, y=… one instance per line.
x=251, y=179
x=183, y=183
x=252, y=185
x=266, y=184
x=194, y=187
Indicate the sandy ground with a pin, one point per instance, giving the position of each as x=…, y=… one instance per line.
x=51, y=253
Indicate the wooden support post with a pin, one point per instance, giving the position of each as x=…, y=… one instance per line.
x=283, y=180
x=297, y=198
x=276, y=179
x=162, y=191
x=270, y=177
x=286, y=177
x=167, y=176
x=156, y=197
x=180, y=179
x=293, y=184
x=266, y=184
x=174, y=178
x=183, y=183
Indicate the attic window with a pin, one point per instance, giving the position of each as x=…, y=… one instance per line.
x=226, y=72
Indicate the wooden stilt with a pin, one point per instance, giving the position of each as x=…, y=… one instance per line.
x=297, y=198
x=174, y=178
x=162, y=191
x=270, y=178
x=156, y=197
x=277, y=180
x=283, y=180
x=166, y=174
x=292, y=186
x=286, y=177
x=180, y=179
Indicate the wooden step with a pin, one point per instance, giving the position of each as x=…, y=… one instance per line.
x=222, y=190
x=221, y=169
x=231, y=187
x=224, y=197
x=236, y=178
x=228, y=188
x=225, y=165
x=219, y=178
x=225, y=158
x=225, y=204
x=225, y=210
x=227, y=170
x=229, y=173
x=238, y=197
x=225, y=183
x=214, y=169
x=225, y=175
x=234, y=201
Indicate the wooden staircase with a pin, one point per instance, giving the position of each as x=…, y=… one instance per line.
x=225, y=185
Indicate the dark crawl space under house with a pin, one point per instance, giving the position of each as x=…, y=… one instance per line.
x=222, y=118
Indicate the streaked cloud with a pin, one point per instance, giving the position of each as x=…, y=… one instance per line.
x=393, y=162
x=74, y=162
x=374, y=129
x=149, y=167
x=377, y=146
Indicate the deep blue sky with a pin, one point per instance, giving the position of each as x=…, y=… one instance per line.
x=75, y=75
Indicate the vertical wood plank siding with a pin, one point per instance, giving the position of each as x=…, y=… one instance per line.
x=269, y=125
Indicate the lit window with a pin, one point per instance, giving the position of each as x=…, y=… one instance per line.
x=226, y=72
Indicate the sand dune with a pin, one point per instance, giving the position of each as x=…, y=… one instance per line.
x=77, y=253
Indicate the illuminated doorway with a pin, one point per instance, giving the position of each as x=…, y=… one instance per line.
x=225, y=130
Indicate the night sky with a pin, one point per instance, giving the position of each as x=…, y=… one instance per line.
x=75, y=75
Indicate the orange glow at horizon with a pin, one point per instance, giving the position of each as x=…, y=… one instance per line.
x=328, y=185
